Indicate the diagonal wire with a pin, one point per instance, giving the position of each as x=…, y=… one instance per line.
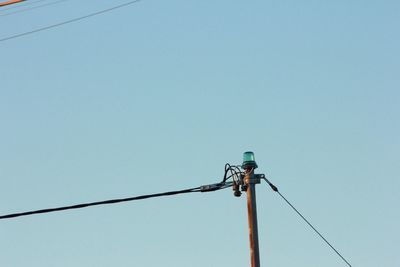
x=105, y=202
x=31, y=8
x=68, y=21
x=11, y=2
x=204, y=188
x=21, y=4
x=274, y=188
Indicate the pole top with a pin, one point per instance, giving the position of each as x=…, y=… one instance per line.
x=249, y=160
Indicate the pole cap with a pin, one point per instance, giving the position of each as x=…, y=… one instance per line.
x=249, y=160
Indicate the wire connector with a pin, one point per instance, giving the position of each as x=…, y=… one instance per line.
x=210, y=187
x=215, y=187
x=273, y=187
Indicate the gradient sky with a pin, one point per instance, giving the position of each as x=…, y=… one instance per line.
x=158, y=96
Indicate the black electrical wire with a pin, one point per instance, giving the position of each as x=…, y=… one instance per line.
x=227, y=167
x=68, y=21
x=234, y=170
x=274, y=188
x=213, y=187
x=237, y=171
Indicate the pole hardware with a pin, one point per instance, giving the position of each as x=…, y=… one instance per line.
x=214, y=187
x=242, y=183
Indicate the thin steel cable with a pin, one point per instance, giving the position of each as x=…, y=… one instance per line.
x=69, y=21
x=22, y=4
x=105, y=202
x=32, y=8
x=274, y=188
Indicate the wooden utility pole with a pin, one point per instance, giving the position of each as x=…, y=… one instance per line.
x=250, y=180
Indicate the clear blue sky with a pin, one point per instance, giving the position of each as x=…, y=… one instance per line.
x=160, y=95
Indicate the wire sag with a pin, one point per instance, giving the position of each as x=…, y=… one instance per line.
x=204, y=188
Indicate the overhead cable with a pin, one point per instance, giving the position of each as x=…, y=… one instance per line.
x=204, y=188
x=274, y=188
x=22, y=4
x=31, y=8
x=11, y=2
x=68, y=21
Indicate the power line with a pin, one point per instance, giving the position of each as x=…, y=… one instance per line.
x=69, y=21
x=11, y=2
x=235, y=172
x=21, y=4
x=32, y=8
x=204, y=188
x=274, y=188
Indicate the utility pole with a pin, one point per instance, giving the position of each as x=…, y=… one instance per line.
x=249, y=185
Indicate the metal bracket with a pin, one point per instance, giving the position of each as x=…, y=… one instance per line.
x=255, y=179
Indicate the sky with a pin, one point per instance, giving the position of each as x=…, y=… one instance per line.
x=158, y=96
